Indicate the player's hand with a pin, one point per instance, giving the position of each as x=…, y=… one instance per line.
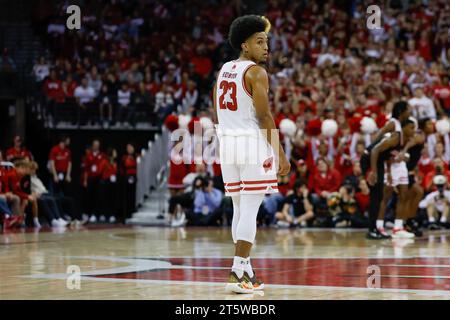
x=284, y=166
x=55, y=178
x=389, y=179
x=68, y=179
x=372, y=178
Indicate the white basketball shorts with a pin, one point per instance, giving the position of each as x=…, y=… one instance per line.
x=399, y=173
x=248, y=165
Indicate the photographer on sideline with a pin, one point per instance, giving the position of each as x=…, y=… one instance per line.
x=207, y=200
x=437, y=203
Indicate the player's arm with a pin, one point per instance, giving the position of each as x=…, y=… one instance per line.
x=389, y=127
x=258, y=81
x=215, y=118
x=69, y=171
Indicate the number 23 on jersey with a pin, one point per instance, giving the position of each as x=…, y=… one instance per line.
x=226, y=86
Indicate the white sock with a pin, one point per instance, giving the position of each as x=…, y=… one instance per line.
x=431, y=219
x=36, y=222
x=380, y=224
x=398, y=224
x=443, y=219
x=249, y=269
x=239, y=264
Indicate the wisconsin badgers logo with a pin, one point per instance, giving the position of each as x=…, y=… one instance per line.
x=267, y=165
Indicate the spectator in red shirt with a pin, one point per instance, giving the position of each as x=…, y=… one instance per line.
x=19, y=180
x=439, y=168
x=322, y=183
x=60, y=159
x=129, y=170
x=54, y=94
x=12, y=201
x=109, y=187
x=18, y=151
x=91, y=179
x=362, y=197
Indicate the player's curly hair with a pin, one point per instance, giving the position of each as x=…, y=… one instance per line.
x=244, y=27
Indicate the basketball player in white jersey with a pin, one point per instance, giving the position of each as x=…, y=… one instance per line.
x=250, y=159
x=396, y=176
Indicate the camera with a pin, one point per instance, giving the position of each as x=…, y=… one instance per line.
x=440, y=182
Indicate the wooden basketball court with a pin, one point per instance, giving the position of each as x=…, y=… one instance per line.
x=193, y=263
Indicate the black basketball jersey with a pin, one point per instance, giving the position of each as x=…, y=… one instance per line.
x=414, y=156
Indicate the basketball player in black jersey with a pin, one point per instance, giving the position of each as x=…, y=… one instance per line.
x=415, y=192
x=379, y=153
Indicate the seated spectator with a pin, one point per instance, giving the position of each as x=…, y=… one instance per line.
x=437, y=203
x=322, y=183
x=362, y=196
x=18, y=151
x=354, y=177
x=348, y=213
x=84, y=96
x=164, y=101
x=12, y=200
x=41, y=70
x=439, y=168
x=297, y=208
x=422, y=106
x=19, y=179
x=54, y=96
x=46, y=202
x=301, y=173
x=143, y=102
x=126, y=109
x=207, y=201
x=178, y=204
x=105, y=106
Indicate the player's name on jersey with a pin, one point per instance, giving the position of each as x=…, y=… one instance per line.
x=229, y=75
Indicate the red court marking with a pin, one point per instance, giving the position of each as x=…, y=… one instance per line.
x=350, y=273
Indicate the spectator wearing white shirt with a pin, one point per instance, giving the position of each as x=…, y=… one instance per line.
x=84, y=96
x=125, y=106
x=41, y=70
x=422, y=106
x=94, y=80
x=190, y=98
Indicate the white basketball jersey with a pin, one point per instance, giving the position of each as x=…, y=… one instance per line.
x=234, y=104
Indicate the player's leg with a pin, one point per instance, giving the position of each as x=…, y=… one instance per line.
x=415, y=195
x=245, y=235
x=258, y=178
x=376, y=197
x=236, y=214
x=445, y=214
x=232, y=185
x=387, y=195
x=400, y=181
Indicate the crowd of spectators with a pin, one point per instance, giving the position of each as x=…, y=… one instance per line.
x=326, y=64
x=108, y=187
x=162, y=57
x=131, y=61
